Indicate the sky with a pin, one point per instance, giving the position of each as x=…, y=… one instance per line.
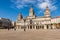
x=11, y=8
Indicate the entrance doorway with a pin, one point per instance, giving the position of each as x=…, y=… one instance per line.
x=30, y=26
x=47, y=26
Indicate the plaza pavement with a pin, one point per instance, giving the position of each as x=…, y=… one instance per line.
x=40, y=34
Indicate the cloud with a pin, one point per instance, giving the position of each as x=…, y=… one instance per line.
x=47, y=3
x=22, y=3
x=19, y=6
x=41, y=4
x=53, y=8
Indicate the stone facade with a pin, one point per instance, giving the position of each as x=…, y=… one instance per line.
x=5, y=23
x=34, y=22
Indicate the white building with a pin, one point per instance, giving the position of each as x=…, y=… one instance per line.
x=34, y=22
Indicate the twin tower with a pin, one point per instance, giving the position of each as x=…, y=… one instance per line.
x=31, y=13
x=46, y=14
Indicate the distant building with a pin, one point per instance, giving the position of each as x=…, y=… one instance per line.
x=35, y=22
x=5, y=23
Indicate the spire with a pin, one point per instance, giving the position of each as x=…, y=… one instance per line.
x=31, y=11
x=47, y=12
x=47, y=8
x=20, y=16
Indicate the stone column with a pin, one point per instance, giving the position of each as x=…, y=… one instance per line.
x=45, y=27
x=58, y=26
x=35, y=27
x=19, y=27
x=26, y=28
x=49, y=26
x=53, y=26
x=16, y=27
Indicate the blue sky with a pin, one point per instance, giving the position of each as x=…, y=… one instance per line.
x=11, y=8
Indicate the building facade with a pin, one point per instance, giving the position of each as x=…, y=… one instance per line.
x=35, y=22
x=5, y=23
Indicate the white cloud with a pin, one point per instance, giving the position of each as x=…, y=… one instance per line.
x=48, y=3
x=19, y=6
x=39, y=3
x=43, y=5
x=53, y=8
x=22, y=3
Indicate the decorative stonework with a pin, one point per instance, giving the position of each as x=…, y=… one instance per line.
x=31, y=12
x=19, y=17
x=33, y=22
x=47, y=12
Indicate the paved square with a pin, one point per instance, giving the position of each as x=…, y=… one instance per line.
x=30, y=34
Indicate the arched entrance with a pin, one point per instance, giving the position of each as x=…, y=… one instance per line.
x=30, y=26
x=47, y=26
x=42, y=27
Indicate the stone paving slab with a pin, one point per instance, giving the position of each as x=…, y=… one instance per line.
x=30, y=34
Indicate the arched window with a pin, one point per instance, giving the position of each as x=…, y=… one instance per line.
x=30, y=21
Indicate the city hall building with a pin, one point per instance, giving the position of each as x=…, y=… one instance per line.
x=34, y=22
